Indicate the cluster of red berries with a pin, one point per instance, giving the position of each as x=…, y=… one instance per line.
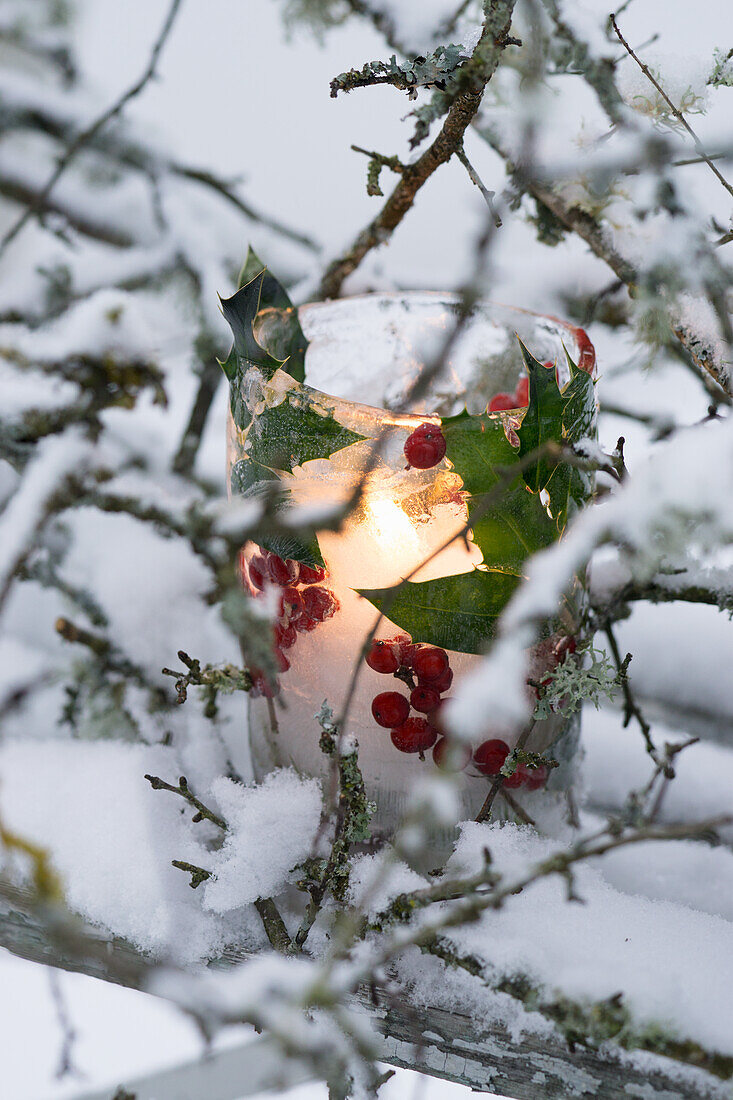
x=304, y=603
x=425, y=447
x=504, y=402
x=490, y=757
x=425, y=670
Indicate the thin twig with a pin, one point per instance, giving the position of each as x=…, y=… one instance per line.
x=99, y=123
x=274, y=926
x=478, y=182
x=66, y=1066
x=498, y=783
x=675, y=110
x=183, y=789
x=631, y=707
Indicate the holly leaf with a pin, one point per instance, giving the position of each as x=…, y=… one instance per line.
x=517, y=524
x=273, y=293
x=579, y=399
x=542, y=422
x=458, y=612
x=306, y=551
x=249, y=478
x=287, y=435
x=277, y=322
x=240, y=311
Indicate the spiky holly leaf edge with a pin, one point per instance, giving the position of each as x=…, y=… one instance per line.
x=460, y=612
x=282, y=436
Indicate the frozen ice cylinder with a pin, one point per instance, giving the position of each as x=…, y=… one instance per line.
x=318, y=440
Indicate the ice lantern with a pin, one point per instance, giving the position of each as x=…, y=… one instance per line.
x=318, y=440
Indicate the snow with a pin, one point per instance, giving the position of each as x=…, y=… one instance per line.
x=113, y=838
x=375, y=881
x=608, y=942
x=149, y=587
x=272, y=828
x=55, y=459
x=119, y=878
x=683, y=77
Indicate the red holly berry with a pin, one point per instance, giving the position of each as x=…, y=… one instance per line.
x=442, y=683
x=390, y=709
x=534, y=778
x=283, y=571
x=564, y=647
x=490, y=756
x=281, y=660
x=402, y=644
x=521, y=394
x=515, y=779
x=450, y=756
x=312, y=574
x=291, y=606
x=425, y=699
x=319, y=603
x=258, y=571
x=260, y=684
x=502, y=402
x=414, y=735
x=408, y=651
x=430, y=663
x=285, y=636
x=305, y=624
x=425, y=447
x=382, y=657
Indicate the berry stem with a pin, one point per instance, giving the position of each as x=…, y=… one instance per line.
x=498, y=783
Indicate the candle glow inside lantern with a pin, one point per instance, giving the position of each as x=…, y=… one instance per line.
x=437, y=551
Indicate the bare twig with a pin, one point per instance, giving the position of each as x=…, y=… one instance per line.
x=675, y=110
x=198, y=874
x=478, y=182
x=498, y=783
x=66, y=1065
x=86, y=135
x=274, y=926
x=631, y=707
x=183, y=789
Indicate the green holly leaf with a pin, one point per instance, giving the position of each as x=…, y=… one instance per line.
x=273, y=292
x=516, y=525
x=240, y=311
x=579, y=412
x=279, y=329
x=249, y=478
x=458, y=612
x=289, y=434
x=542, y=422
x=306, y=551
x=564, y=416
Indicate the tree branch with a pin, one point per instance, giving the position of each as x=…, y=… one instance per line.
x=89, y=133
x=589, y=229
x=675, y=110
x=471, y=80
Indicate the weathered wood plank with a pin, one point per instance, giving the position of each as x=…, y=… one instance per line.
x=447, y=1045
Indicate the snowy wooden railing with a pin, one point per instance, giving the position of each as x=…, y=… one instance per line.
x=450, y=1045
